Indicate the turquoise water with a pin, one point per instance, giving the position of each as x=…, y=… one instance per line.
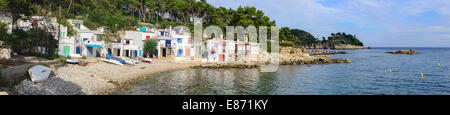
x=367, y=74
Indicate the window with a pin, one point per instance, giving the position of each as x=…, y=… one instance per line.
x=127, y=42
x=99, y=37
x=78, y=25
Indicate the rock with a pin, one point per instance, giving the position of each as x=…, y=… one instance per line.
x=410, y=52
x=346, y=60
x=3, y=93
x=325, y=52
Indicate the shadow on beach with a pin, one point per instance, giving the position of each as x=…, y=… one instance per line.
x=52, y=86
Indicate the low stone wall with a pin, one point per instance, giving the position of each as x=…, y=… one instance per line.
x=17, y=73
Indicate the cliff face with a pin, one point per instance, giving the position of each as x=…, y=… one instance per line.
x=333, y=46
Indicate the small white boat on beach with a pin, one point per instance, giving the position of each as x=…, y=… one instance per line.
x=147, y=60
x=112, y=61
x=128, y=60
x=39, y=73
x=72, y=61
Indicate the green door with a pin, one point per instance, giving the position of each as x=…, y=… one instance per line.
x=67, y=50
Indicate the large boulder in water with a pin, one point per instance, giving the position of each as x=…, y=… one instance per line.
x=410, y=52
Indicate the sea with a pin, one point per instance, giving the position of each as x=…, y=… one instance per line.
x=372, y=72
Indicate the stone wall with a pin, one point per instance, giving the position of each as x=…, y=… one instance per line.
x=5, y=53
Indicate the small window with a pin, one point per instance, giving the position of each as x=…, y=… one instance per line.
x=127, y=41
x=99, y=37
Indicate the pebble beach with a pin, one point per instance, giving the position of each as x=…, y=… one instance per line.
x=92, y=79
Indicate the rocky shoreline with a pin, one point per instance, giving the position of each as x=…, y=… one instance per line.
x=287, y=56
x=332, y=46
x=325, y=52
x=410, y=52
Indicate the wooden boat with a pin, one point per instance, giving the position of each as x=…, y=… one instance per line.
x=147, y=60
x=82, y=63
x=127, y=61
x=72, y=61
x=39, y=73
x=112, y=61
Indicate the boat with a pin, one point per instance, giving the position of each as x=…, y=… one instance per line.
x=82, y=63
x=39, y=73
x=70, y=60
x=127, y=60
x=134, y=60
x=112, y=61
x=117, y=59
x=147, y=60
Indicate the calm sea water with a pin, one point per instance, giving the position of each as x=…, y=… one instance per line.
x=367, y=74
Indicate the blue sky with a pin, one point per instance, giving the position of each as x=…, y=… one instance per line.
x=377, y=23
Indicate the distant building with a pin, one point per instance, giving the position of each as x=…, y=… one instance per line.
x=87, y=42
x=220, y=50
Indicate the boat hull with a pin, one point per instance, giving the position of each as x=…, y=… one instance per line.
x=39, y=73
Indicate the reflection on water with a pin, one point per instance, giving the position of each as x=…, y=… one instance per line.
x=208, y=82
x=365, y=75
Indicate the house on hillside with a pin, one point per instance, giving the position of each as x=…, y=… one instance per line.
x=87, y=42
x=184, y=49
x=49, y=24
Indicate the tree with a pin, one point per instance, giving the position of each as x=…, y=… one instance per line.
x=304, y=37
x=5, y=38
x=150, y=46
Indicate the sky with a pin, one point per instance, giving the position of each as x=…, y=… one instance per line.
x=377, y=23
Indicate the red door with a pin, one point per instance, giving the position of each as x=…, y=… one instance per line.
x=221, y=57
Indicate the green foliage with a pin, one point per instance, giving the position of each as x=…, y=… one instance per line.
x=306, y=38
x=299, y=38
x=30, y=40
x=4, y=36
x=292, y=52
x=343, y=38
x=287, y=38
x=5, y=81
x=3, y=5
x=70, y=30
x=20, y=40
x=150, y=46
x=62, y=60
x=84, y=57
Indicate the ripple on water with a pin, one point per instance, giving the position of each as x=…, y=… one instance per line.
x=365, y=75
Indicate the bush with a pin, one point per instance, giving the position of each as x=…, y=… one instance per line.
x=84, y=57
x=292, y=51
x=5, y=81
x=62, y=60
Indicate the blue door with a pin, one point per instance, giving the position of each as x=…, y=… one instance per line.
x=78, y=50
x=109, y=51
x=135, y=53
x=168, y=43
x=140, y=53
x=180, y=52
